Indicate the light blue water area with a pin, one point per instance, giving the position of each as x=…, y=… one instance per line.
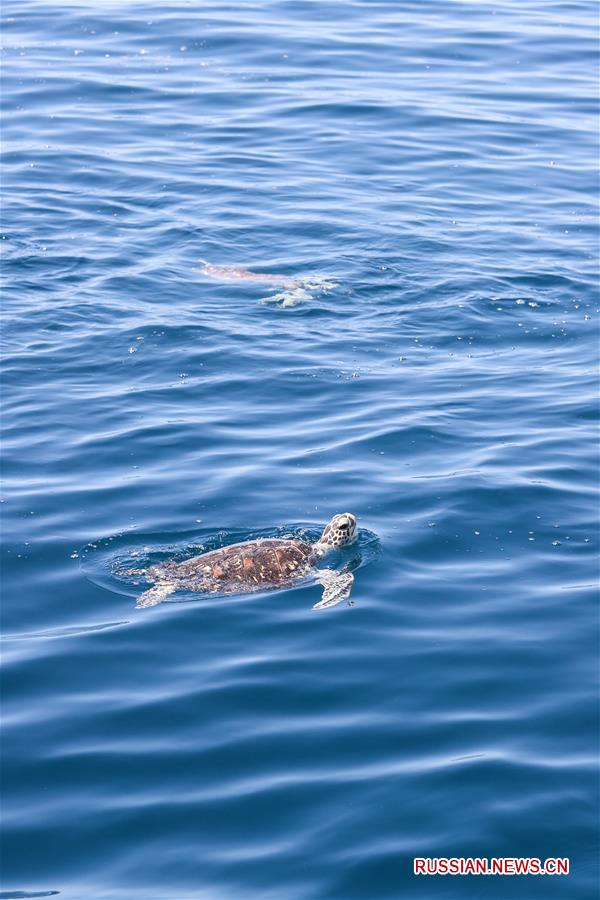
x=436, y=162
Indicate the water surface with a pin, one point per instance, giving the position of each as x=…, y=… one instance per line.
x=436, y=161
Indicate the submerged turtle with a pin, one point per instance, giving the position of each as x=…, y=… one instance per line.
x=252, y=565
x=237, y=273
x=295, y=290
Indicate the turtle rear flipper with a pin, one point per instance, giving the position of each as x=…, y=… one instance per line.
x=337, y=587
x=155, y=595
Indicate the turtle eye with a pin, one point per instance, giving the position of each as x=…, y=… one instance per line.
x=344, y=527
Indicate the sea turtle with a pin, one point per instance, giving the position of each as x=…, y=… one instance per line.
x=294, y=290
x=253, y=565
x=237, y=273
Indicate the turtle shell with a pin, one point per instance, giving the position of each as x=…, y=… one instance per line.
x=269, y=562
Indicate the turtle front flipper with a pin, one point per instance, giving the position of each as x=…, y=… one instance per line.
x=337, y=587
x=155, y=595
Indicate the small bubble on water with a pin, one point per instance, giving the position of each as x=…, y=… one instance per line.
x=556, y=543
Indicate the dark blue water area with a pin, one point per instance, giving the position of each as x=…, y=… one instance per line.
x=428, y=172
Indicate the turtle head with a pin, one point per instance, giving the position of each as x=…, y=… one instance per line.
x=339, y=532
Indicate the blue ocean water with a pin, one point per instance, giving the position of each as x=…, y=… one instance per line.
x=436, y=161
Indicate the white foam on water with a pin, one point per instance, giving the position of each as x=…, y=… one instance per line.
x=305, y=289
